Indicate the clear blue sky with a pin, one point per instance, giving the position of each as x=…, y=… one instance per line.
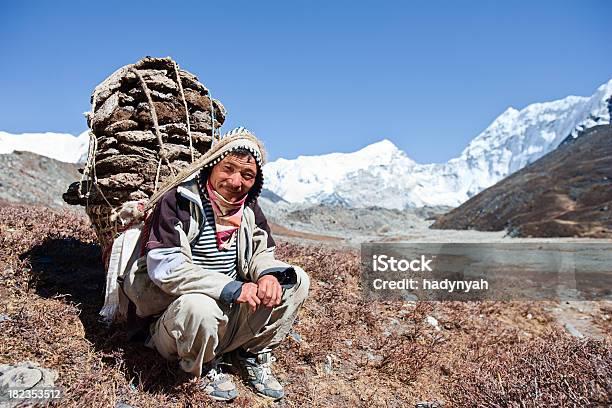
x=312, y=77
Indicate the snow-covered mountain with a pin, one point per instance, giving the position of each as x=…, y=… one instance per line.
x=59, y=146
x=317, y=178
x=382, y=175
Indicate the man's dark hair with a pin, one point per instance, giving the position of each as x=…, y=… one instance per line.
x=241, y=152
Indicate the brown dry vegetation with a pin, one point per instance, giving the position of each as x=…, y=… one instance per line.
x=344, y=351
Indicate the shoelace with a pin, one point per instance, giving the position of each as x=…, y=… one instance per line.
x=214, y=374
x=266, y=369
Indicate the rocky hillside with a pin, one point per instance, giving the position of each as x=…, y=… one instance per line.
x=352, y=225
x=28, y=178
x=566, y=193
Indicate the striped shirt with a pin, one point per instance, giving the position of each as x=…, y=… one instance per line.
x=205, y=251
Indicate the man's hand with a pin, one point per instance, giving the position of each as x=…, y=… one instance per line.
x=269, y=291
x=248, y=295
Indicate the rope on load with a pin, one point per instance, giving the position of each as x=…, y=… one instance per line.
x=180, y=84
x=161, y=153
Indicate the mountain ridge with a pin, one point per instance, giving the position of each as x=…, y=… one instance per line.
x=565, y=193
x=64, y=147
x=512, y=140
x=381, y=174
x=28, y=178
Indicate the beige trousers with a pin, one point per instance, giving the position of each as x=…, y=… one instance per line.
x=196, y=328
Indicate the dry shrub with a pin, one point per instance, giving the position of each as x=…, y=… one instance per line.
x=336, y=313
x=553, y=371
x=405, y=354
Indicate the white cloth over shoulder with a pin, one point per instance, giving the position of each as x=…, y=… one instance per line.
x=123, y=247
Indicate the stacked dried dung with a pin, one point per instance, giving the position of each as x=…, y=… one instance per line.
x=125, y=109
x=141, y=135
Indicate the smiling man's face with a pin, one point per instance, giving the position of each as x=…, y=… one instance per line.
x=234, y=176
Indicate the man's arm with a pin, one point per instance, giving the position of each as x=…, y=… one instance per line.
x=263, y=261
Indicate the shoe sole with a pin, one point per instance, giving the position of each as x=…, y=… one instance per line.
x=266, y=396
x=221, y=398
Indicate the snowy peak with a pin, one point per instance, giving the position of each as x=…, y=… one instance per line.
x=308, y=178
x=517, y=138
x=605, y=88
x=59, y=146
x=379, y=149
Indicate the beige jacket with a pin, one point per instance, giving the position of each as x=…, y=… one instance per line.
x=162, y=269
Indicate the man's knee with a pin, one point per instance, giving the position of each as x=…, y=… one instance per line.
x=199, y=309
x=302, y=285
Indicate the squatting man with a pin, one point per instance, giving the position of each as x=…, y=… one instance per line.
x=212, y=283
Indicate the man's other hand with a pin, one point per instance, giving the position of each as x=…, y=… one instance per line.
x=269, y=291
x=248, y=294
